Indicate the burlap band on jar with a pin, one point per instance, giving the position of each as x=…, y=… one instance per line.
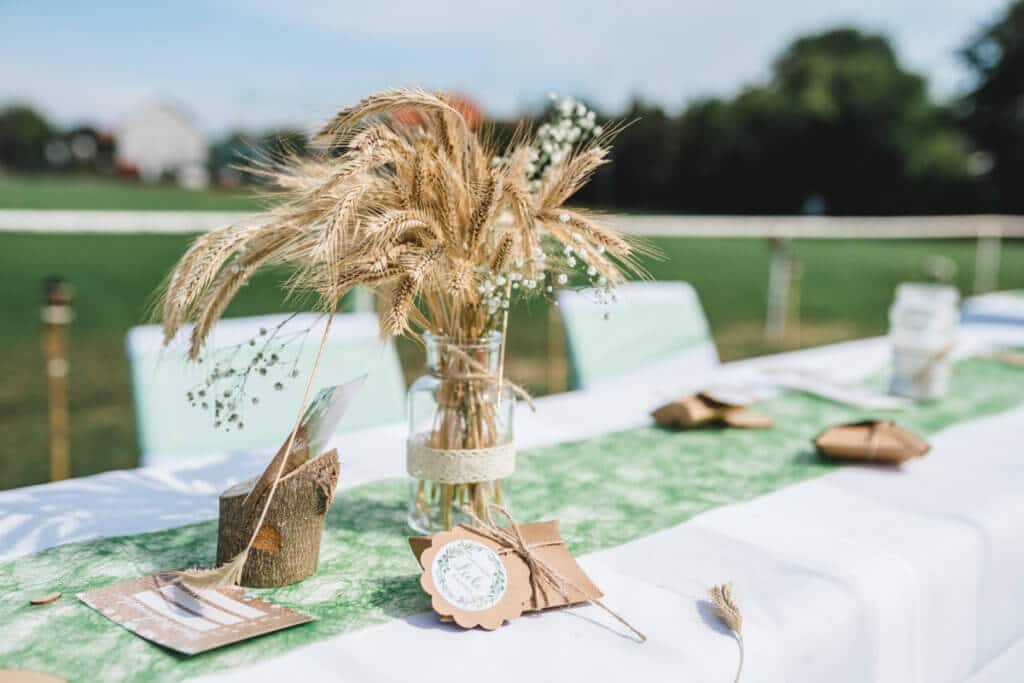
x=458, y=466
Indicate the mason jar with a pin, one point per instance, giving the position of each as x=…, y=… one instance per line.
x=922, y=328
x=461, y=446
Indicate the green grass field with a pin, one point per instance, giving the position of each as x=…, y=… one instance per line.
x=84, y=192
x=847, y=287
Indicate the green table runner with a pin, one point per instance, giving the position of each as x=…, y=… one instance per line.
x=606, y=490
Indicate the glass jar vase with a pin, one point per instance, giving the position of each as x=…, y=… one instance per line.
x=922, y=327
x=460, y=447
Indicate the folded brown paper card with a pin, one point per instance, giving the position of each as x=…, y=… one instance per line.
x=701, y=409
x=28, y=676
x=871, y=441
x=476, y=582
x=160, y=610
x=1013, y=358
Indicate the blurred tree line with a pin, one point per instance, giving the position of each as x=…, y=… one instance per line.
x=840, y=127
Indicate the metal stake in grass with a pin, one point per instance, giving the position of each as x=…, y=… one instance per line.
x=56, y=316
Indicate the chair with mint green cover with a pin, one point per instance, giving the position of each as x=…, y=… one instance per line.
x=169, y=428
x=649, y=324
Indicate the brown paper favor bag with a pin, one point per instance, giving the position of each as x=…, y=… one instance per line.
x=700, y=409
x=546, y=542
x=1013, y=358
x=472, y=582
x=871, y=441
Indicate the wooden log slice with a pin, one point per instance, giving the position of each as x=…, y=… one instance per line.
x=287, y=546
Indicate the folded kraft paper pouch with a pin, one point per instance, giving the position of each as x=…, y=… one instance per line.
x=701, y=409
x=1014, y=358
x=546, y=540
x=879, y=441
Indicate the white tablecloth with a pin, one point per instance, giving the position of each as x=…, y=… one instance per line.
x=865, y=574
x=1005, y=308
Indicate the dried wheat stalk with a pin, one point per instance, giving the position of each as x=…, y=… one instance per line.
x=729, y=612
x=426, y=215
x=409, y=210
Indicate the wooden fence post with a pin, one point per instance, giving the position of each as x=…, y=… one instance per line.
x=556, y=368
x=778, y=292
x=986, y=261
x=56, y=317
x=796, y=277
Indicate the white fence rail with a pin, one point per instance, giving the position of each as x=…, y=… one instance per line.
x=823, y=227
x=780, y=227
x=988, y=230
x=62, y=221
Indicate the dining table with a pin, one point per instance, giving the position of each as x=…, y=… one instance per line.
x=842, y=571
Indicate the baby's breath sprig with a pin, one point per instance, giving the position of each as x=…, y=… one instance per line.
x=226, y=389
x=572, y=124
x=570, y=127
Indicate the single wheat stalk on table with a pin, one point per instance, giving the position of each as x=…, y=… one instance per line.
x=728, y=612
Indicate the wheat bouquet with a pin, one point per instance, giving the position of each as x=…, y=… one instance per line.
x=445, y=229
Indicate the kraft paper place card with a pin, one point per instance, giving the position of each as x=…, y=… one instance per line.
x=475, y=582
x=159, y=609
x=318, y=424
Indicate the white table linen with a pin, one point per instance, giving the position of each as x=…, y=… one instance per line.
x=1005, y=308
x=865, y=574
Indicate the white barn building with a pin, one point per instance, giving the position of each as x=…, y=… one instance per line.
x=159, y=140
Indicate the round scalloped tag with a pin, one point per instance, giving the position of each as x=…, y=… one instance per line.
x=469, y=575
x=470, y=581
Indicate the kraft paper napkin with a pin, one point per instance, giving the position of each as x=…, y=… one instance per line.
x=701, y=409
x=546, y=541
x=879, y=441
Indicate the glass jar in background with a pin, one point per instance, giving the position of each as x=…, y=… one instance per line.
x=922, y=328
x=460, y=447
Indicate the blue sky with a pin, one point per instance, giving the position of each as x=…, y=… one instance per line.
x=257, y=63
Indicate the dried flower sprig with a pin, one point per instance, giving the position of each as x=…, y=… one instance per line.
x=270, y=357
x=728, y=611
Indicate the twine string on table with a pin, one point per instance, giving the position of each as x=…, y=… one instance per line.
x=511, y=537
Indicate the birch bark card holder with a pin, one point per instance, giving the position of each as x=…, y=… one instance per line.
x=270, y=527
x=485, y=575
x=286, y=546
x=264, y=544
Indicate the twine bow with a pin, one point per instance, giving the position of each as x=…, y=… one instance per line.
x=924, y=375
x=874, y=433
x=480, y=373
x=511, y=538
